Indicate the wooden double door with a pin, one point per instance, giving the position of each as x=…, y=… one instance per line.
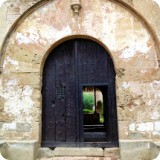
x=69, y=68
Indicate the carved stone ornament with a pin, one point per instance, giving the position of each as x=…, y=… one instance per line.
x=76, y=6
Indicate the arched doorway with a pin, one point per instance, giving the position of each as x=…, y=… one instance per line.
x=73, y=68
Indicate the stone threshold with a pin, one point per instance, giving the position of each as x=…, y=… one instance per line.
x=140, y=149
x=80, y=158
x=79, y=152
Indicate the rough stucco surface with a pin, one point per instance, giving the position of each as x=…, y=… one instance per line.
x=10, y=10
x=130, y=44
x=150, y=9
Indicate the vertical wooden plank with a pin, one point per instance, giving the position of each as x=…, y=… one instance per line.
x=82, y=78
x=61, y=84
x=71, y=114
x=48, y=107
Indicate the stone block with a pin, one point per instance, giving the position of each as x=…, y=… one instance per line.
x=110, y=158
x=75, y=158
x=136, y=135
x=155, y=149
x=136, y=154
x=16, y=79
x=5, y=117
x=35, y=131
x=8, y=135
x=23, y=127
x=133, y=144
x=90, y=152
x=22, y=151
x=3, y=150
x=1, y=103
x=111, y=152
x=45, y=153
x=19, y=135
x=123, y=129
x=1, y=125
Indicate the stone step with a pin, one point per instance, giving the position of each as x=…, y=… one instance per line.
x=81, y=153
x=80, y=158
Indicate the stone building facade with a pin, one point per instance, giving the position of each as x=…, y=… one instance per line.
x=128, y=29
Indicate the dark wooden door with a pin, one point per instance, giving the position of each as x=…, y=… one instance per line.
x=70, y=66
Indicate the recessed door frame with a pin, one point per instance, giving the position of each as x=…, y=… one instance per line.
x=79, y=114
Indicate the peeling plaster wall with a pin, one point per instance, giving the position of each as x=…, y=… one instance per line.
x=10, y=11
x=131, y=46
x=139, y=109
x=150, y=9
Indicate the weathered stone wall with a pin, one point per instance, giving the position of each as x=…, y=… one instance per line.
x=150, y=9
x=132, y=45
x=10, y=11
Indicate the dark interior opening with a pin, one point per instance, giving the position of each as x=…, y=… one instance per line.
x=94, y=111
